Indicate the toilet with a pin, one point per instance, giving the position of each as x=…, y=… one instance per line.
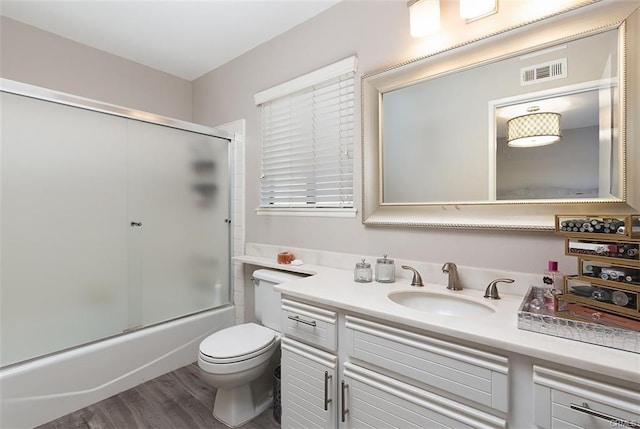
x=239, y=361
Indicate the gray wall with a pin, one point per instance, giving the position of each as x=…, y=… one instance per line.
x=377, y=32
x=40, y=58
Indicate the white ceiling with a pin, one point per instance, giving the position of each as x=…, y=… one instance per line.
x=186, y=38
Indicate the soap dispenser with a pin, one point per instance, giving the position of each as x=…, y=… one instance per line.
x=385, y=270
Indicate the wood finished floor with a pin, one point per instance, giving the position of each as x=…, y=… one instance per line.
x=177, y=400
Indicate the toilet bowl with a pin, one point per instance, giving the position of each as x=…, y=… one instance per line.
x=239, y=361
x=233, y=360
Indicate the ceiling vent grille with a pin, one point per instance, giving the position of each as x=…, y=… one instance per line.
x=556, y=69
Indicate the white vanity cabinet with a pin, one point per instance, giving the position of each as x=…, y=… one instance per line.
x=309, y=366
x=568, y=401
x=345, y=370
x=389, y=377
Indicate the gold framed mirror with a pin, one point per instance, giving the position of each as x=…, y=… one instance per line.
x=435, y=149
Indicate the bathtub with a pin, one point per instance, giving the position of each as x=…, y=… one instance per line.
x=41, y=390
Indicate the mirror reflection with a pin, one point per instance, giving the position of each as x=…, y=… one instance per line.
x=473, y=135
x=579, y=161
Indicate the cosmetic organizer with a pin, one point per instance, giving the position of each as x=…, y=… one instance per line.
x=606, y=290
x=600, y=305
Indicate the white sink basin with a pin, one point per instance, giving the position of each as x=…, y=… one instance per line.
x=440, y=304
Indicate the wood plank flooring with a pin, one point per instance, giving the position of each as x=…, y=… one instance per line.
x=177, y=400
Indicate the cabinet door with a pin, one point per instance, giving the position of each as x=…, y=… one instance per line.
x=568, y=401
x=308, y=386
x=372, y=400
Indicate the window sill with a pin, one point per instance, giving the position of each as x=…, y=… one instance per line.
x=308, y=212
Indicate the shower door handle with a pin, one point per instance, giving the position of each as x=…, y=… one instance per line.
x=136, y=223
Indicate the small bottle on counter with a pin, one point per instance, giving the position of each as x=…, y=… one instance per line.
x=385, y=270
x=552, y=280
x=362, y=272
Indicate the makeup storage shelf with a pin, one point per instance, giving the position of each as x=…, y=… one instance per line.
x=607, y=287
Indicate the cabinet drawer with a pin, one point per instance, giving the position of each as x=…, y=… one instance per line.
x=471, y=374
x=567, y=401
x=310, y=324
x=378, y=401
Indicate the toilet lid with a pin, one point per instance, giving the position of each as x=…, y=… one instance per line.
x=237, y=341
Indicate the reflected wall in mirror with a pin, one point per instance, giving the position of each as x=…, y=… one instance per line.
x=435, y=130
x=459, y=119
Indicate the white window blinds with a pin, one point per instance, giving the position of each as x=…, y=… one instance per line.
x=307, y=140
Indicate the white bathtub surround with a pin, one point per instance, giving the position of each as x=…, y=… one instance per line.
x=44, y=389
x=471, y=277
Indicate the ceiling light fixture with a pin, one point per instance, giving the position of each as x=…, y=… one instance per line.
x=533, y=129
x=424, y=17
x=472, y=10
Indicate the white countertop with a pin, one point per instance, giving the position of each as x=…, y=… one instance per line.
x=336, y=288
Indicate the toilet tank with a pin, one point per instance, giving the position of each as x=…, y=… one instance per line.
x=267, y=300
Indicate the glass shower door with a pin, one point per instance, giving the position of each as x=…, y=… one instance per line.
x=63, y=278
x=107, y=224
x=178, y=207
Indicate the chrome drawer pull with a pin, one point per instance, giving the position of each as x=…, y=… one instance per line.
x=584, y=408
x=345, y=410
x=306, y=322
x=326, y=390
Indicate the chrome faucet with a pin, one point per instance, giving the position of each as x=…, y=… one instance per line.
x=492, y=289
x=451, y=269
x=417, y=278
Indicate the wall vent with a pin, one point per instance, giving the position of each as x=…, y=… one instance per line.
x=556, y=69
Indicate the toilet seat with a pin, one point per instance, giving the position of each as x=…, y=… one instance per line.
x=237, y=343
x=236, y=359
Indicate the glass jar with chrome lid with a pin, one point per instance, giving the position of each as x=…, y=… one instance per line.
x=362, y=272
x=385, y=270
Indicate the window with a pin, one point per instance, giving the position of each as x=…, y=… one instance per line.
x=307, y=143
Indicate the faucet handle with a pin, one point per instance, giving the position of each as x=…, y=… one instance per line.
x=492, y=289
x=417, y=279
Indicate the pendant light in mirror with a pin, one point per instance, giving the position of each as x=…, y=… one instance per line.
x=533, y=129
